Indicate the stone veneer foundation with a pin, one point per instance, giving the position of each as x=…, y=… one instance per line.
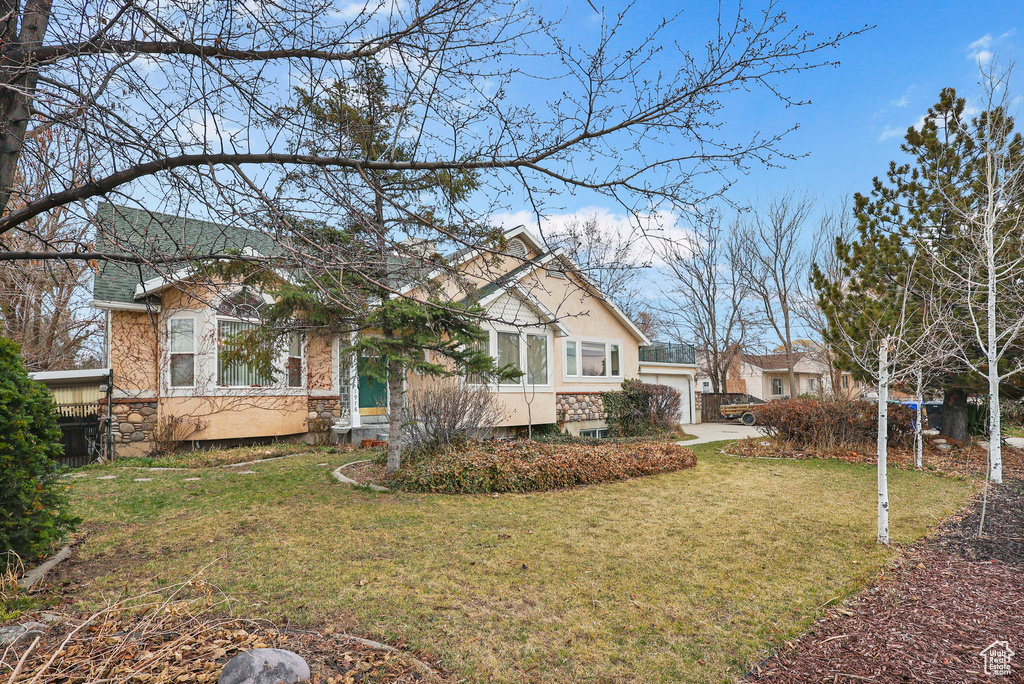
x=579, y=406
x=133, y=421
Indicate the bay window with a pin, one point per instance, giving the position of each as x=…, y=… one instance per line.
x=525, y=352
x=235, y=372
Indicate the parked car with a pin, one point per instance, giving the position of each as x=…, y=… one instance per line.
x=739, y=408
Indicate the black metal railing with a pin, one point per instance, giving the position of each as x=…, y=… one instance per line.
x=669, y=353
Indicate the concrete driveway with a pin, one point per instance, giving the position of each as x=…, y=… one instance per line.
x=714, y=432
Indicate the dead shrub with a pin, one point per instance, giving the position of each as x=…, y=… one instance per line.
x=172, y=432
x=448, y=414
x=829, y=424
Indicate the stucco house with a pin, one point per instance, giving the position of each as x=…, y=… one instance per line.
x=766, y=377
x=164, y=343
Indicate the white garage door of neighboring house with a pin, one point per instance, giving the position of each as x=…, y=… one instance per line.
x=682, y=384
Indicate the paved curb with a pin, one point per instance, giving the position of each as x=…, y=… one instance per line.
x=336, y=474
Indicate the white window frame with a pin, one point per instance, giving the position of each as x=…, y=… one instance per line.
x=608, y=344
x=523, y=382
x=195, y=351
x=782, y=387
x=303, y=370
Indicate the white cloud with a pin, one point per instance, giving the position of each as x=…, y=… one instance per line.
x=985, y=48
x=353, y=9
x=903, y=101
x=889, y=132
x=647, y=230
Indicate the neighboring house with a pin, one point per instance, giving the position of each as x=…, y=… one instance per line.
x=164, y=344
x=766, y=376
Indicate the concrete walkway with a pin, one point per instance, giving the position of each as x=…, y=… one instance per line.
x=714, y=432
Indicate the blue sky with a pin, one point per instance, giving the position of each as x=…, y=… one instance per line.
x=859, y=111
x=888, y=78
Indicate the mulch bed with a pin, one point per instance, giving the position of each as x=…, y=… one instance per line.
x=371, y=472
x=960, y=459
x=928, y=617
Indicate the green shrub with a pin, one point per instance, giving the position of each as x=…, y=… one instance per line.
x=641, y=408
x=832, y=423
x=33, y=504
x=977, y=418
x=528, y=466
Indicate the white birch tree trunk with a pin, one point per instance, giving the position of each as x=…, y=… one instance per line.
x=918, y=426
x=995, y=446
x=883, y=442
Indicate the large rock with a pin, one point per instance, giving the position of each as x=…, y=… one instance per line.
x=15, y=633
x=264, y=666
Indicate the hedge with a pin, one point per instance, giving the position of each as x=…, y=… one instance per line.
x=33, y=502
x=528, y=466
x=641, y=408
x=832, y=423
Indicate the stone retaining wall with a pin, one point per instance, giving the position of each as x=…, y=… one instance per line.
x=579, y=406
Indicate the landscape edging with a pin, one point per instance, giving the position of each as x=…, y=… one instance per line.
x=39, y=573
x=336, y=474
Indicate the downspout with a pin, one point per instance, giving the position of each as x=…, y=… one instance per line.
x=110, y=411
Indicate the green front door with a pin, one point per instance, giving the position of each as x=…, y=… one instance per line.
x=373, y=393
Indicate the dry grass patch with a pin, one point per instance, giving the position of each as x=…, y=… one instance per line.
x=211, y=458
x=689, y=576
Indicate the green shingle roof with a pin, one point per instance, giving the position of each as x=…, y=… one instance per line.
x=149, y=234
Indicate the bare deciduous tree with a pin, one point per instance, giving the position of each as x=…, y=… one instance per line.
x=775, y=265
x=191, y=107
x=835, y=224
x=614, y=262
x=44, y=305
x=708, y=296
x=890, y=341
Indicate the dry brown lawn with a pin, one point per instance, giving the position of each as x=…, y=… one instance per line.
x=685, y=577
